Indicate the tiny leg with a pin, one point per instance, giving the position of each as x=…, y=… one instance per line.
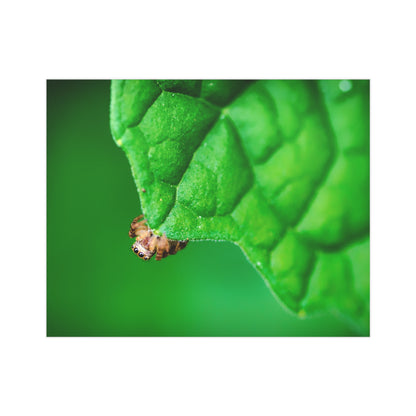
x=162, y=247
x=137, y=228
x=138, y=218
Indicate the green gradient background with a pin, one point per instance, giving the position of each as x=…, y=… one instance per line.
x=97, y=287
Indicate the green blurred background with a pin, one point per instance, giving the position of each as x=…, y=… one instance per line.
x=97, y=287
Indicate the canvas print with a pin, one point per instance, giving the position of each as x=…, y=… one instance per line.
x=208, y=208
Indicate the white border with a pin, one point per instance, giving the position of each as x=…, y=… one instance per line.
x=207, y=376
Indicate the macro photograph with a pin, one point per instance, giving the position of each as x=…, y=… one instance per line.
x=208, y=208
x=187, y=215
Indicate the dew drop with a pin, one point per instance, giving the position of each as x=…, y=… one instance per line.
x=302, y=313
x=345, y=85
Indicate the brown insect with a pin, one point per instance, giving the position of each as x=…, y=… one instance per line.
x=147, y=243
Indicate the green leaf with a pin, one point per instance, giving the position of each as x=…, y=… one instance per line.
x=281, y=168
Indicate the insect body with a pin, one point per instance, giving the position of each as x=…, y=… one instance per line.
x=147, y=243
